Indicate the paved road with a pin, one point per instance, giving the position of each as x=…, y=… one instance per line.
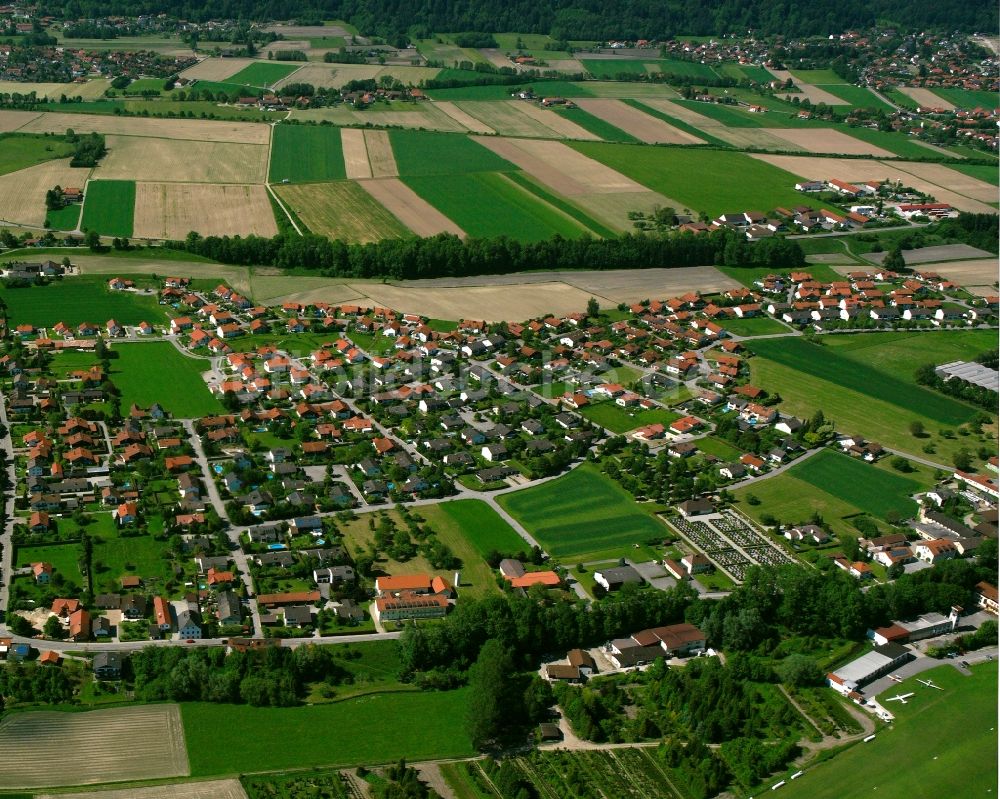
x=6, y=545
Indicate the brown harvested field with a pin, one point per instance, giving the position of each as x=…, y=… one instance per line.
x=644, y=127
x=497, y=58
x=48, y=749
x=22, y=193
x=613, y=209
x=341, y=210
x=217, y=69
x=91, y=90
x=926, y=98
x=934, y=255
x=738, y=137
x=172, y=210
x=506, y=119
x=814, y=94
x=632, y=285
x=409, y=208
x=356, y=165
x=12, y=120
x=141, y=158
x=380, y=156
x=570, y=65
x=211, y=789
x=553, y=121
x=861, y=169
x=325, y=75
x=825, y=140
x=462, y=118
x=278, y=288
x=193, y=129
x=953, y=180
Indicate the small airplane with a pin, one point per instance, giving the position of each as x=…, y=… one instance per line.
x=895, y=678
x=930, y=684
x=900, y=698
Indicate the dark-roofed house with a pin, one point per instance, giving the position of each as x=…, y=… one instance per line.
x=614, y=578
x=107, y=665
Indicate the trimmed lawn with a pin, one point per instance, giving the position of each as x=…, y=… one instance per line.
x=263, y=74
x=421, y=153
x=109, y=206
x=21, y=150
x=65, y=559
x=582, y=512
x=140, y=555
x=458, y=534
x=956, y=727
x=875, y=491
x=793, y=501
x=65, y=218
x=699, y=178
x=75, y=300
x=486, y=204
x=302, y=153
x=620, y=420
x=157, y=372
x=425, y=726
x=758, y=326
x=484, y=528
x=719, y=448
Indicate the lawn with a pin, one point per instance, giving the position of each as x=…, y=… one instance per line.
x=157, y=372
x=424, y=726
x=108, y=207
x=420, y=153
x=955, y=730
x=65, y=559
x=262, y=74
x=300, y=153
x=486, y=204
x=580, y=513
x=700, y=179
x=21, y=150
x=719, y=448
x=758, y=326
x=793, y=501
x=65, y=218
x=484, y=528
x=748, y=274
x=620, y=420
x=74, y=300
x=872, y=490
x=140, y=555
x=891, y=384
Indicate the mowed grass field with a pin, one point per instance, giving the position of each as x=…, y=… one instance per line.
x=20, y=150
x=75, y=300
x=419, y=153
x=377, y=728
x=306, y=153
x=485, y=529
x=341, y=210
x=943, y=743
x=619, y=420
x=109, y=207
x=157, y=372
x=262, y=74
x=701, y=179
x=875, y=491
x=581, y=513
x=486, y=204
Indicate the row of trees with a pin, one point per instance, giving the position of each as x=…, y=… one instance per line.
x=445, y=255
x=972, y=393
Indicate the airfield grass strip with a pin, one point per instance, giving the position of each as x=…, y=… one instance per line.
x=528, y=184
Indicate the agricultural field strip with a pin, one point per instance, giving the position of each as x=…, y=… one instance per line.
x=462, y=117
x=15, y=120
x=356, y=163
x=506, y=118
x=560, y=125
x=738, y=137
x=926, y=98
x=185, y=129
x=208, y=789
x=172, y=210
x=825, y=140
x=173, y=160
x=342, y=210
x=814, y=94
x=642, y=126
x=411, y=209
x=22, y=193
x=380, y=155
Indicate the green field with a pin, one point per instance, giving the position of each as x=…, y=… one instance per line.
x=263, y=74
x=858, y=96
x=544, y=88
x=108, y=207
x=756, y=73
x=596, y=125
x=148, y=85
x=730, y=116
x=581, y=513
x=898, y=143
x=370, y=729
x=421, y=153
x=817, y=76
x=157, y=372
x=140, y=555
x=701, y=179
x=903, y=352
x=65, y=559
x=620, y=420
x=485, y=529
x=21, y=150
x=680, y=124
x=954, y=729
x=968, y=99
x=75, y=300
x=486, y=204
x=719, y=448
x=990, y=174
x=301, y=153
x=875, y=491
x=863, y=376
x=613, y=67
x=758, y=326
x=530, y=184
x=65, y=218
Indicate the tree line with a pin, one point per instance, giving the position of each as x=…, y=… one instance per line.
x=972, y=393
x=446, y=255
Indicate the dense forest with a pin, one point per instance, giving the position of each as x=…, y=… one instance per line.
x=449, y=256
x=568, y=19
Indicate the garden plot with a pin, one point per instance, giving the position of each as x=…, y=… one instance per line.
x=153, y=159
x=356, y=164
x=464, y=119
x=380, y=155
x=12, y=120
x=217, y=69
x=862, y=169
x=644, y=127
x=203, y=130
x=926, y=98
x=210, y=789
x=172, y=210
x=22, y=193
x=131, y=743
x=412, y=210
x=825, y=140
x=506, y=118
